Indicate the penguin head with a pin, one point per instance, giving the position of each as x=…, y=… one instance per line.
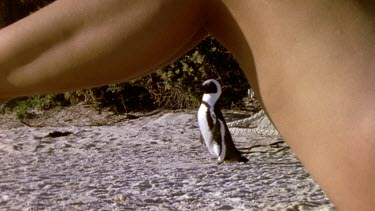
x=212, y=91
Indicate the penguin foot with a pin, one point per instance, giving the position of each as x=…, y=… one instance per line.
x=219, y=162
x=243, y=159
x=239, y=158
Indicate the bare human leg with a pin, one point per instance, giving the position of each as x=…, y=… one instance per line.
x=310, y=62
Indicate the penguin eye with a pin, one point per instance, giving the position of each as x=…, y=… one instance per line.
x=210, y=88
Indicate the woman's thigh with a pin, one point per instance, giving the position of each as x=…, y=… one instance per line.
x=311, y=64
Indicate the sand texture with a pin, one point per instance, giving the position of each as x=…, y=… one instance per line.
x=88, y=161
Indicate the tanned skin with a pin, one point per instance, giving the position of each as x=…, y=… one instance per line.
x=310, y=62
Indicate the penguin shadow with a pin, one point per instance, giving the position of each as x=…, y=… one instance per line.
x=272, y=148
x=242, y=151
x=230, y=116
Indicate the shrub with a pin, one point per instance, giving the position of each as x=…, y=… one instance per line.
x=22, y=106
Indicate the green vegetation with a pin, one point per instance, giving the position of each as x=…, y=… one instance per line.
x=21, y=106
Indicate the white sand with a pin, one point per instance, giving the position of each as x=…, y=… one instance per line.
x=150, y=163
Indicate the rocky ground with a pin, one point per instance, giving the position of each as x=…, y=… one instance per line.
x=79, y=159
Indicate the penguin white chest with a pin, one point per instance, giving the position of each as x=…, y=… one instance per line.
x=204, y=125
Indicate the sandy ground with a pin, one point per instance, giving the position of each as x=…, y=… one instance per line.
x=77, y=159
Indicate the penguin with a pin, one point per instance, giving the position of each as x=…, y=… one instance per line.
x=214, y=132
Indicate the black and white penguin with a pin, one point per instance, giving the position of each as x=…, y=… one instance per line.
x=214, y=130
